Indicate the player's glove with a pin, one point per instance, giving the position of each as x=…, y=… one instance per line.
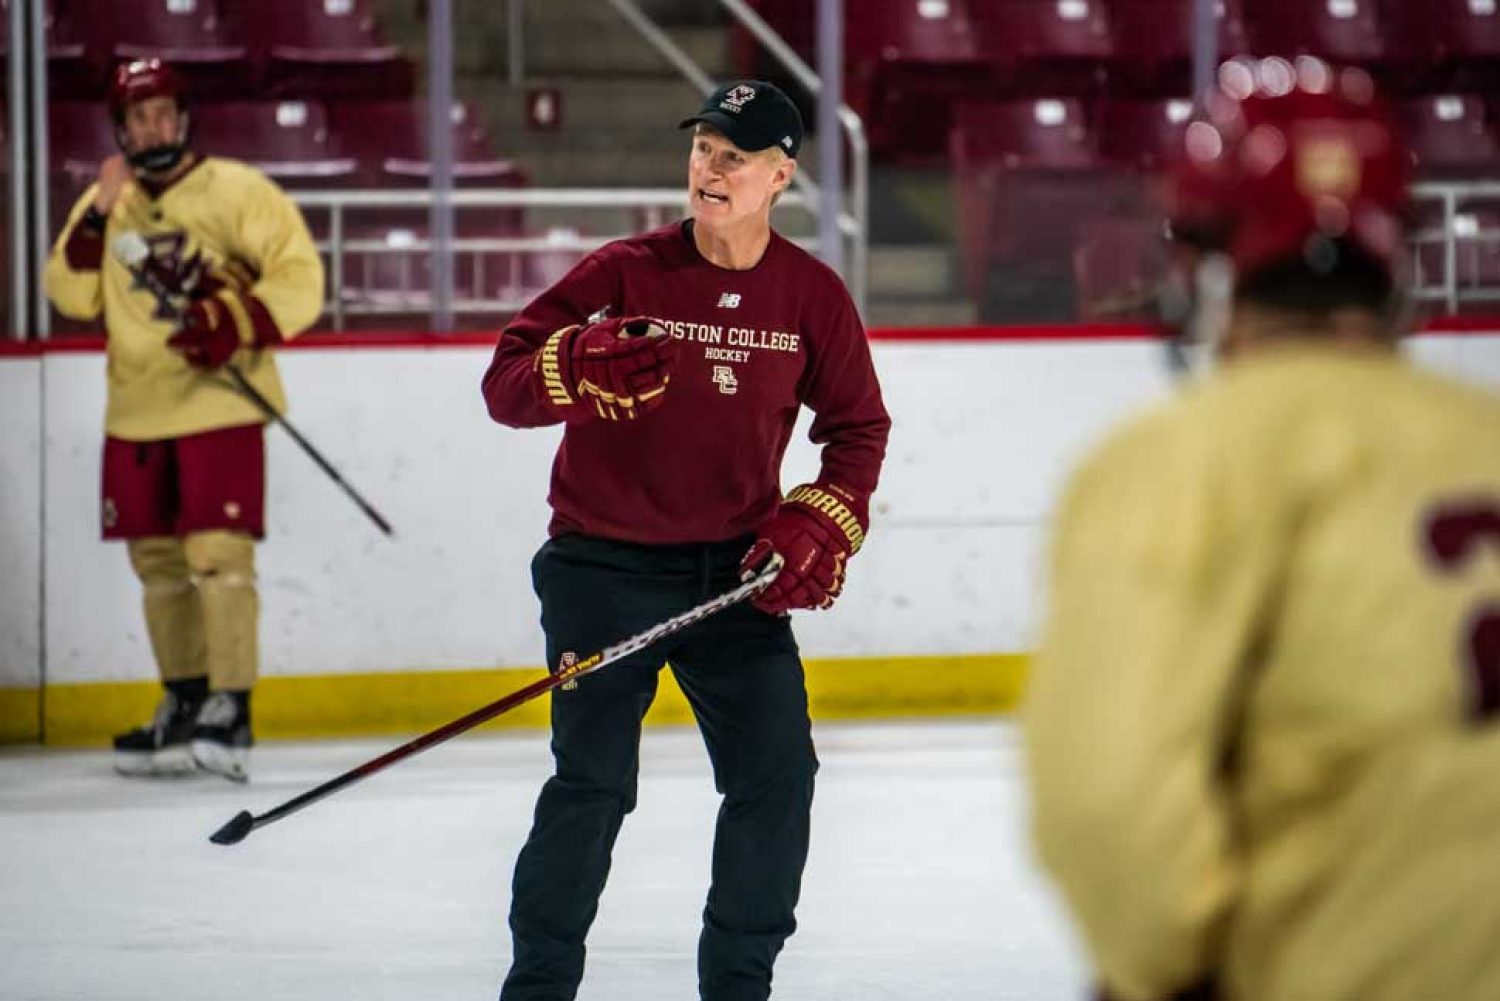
x=818, y=527
x=615, y=369
x=215, y=326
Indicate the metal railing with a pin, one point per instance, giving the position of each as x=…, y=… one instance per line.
x=853, y=222
x=1449, y=257
x=494, y=262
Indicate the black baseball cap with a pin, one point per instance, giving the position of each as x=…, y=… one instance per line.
x=754, y=115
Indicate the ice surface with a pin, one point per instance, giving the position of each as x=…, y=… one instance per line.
x=920, y=886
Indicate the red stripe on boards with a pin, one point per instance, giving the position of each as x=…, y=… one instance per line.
x=1476, y=326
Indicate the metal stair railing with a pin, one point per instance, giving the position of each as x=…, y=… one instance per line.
x=853, y=222
x=658, y=205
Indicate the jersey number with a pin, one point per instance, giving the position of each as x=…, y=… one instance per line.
x=1455, y=532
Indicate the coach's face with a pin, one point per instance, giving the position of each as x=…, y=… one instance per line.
x=729, y=186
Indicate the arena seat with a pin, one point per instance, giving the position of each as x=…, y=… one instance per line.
x=1153, y=44
x=1143, y=134
x=1051, y=47
x=328, y=49
x=1451, y=136
x=1028, y=173
x=909, y=61
x=70, y=74
x=1345, y=31
x=390, y=141
x=80, y=136
x=289, y=140
x=1049, y=133
x=1457, y=43
x=190, y=34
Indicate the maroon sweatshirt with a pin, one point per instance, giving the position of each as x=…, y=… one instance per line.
x=754, y=346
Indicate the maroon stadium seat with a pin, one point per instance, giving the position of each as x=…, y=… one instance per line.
x=1143, y=134
x=1451, y=136
x=1045, y=46
x=1153, y=42
x=1457, y=42
x=909, y=61
x=1049, y=133
x=80, y=136
x=1344, y=31
x=190, y=34
x=906, y=62
x=390, y=139
x=322, y=48
x=934, y=32
x=289, y=140
x=70, y=74
x=1028, y=174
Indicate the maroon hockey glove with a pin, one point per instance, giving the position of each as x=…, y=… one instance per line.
x=615, y=369
x=818, y=527
x=216, y=326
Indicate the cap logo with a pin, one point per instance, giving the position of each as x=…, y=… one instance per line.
x=736, y=99
x=786, y=141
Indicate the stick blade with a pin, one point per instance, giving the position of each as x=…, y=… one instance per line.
x=237, y=830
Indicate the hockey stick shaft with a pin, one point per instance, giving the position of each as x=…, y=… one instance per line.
x=131, y=258
x=243, y=823
x=244, y=385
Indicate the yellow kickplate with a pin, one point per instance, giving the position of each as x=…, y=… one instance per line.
x=409, y=702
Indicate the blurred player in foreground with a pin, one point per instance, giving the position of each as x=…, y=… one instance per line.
x=1264, y=726
x=665, y=491
x=217, y=264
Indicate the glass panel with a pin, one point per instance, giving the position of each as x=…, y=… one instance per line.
x=1017, y=147
x=8, y=143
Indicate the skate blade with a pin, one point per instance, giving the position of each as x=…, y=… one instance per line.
x=169, y=762
x=230, y=762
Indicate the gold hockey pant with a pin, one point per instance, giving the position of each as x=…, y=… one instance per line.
x=202, y=609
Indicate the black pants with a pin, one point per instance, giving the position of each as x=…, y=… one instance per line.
x=741, y=673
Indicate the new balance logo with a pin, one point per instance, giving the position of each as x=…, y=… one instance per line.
x=729, y=300
x=725, y=380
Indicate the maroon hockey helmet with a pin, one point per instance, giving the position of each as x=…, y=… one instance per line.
x=140, y=80
x=1287, y=153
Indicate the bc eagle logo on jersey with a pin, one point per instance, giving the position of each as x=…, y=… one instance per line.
x=176, y=277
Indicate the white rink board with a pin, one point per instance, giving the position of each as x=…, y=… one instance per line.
x=985, y=433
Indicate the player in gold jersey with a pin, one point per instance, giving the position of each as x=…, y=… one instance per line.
x=194, y=262
x=1263, y=732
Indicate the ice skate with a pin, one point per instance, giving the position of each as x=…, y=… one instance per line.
x=221, y=740
x=161, y=746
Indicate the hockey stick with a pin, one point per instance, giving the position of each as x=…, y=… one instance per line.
x=244, y=822
x=130, y=250
x=312, y=453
